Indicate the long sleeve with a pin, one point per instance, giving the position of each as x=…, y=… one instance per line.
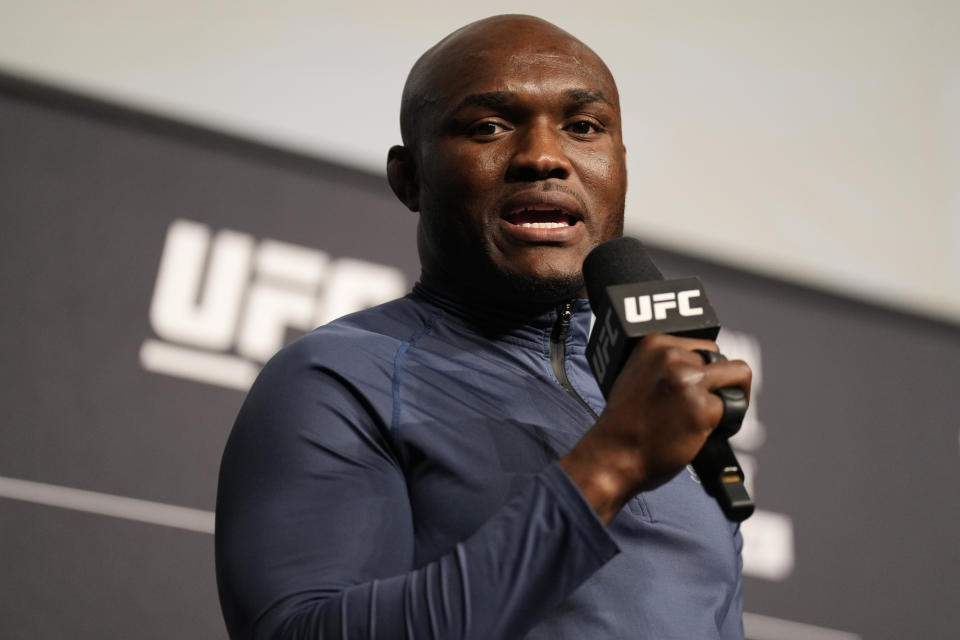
x=731, y=627
x=315, y=534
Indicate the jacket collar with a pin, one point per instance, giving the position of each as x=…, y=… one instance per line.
x=533, y=324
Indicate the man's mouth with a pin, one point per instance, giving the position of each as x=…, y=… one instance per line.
x=541, y=217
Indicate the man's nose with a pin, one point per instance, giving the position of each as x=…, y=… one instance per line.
x=539, y=154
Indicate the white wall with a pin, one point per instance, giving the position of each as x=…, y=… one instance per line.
x=818, y=141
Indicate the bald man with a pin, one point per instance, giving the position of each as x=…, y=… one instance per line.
x=444, y=466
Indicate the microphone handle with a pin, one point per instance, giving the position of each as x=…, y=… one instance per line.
x=716, y=464
x=721, y=476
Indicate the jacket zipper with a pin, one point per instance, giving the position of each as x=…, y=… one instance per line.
x=558, y=353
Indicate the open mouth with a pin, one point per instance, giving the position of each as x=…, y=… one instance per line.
x=541, y=218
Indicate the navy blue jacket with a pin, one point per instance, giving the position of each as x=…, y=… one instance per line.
x=393, y=475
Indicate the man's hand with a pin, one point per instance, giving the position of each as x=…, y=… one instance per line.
x=660, y=411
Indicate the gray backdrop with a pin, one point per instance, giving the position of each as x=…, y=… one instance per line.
x=116, y=408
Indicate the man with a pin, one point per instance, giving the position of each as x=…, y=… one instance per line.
x=443, y=466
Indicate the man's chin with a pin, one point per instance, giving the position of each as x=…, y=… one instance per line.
x=537, y=290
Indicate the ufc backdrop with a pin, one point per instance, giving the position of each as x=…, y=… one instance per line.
x=149, y=268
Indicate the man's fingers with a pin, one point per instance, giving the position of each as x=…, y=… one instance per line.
x=661, y=340
x=731, y=373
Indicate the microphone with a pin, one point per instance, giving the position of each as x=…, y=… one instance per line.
x=631, y=299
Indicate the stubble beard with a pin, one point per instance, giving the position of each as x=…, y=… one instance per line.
x=491, y=276
x=525, y=289
x=539, y=290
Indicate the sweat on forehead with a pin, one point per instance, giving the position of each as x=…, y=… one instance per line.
x=515, y=40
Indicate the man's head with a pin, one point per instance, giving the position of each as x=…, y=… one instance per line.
x=513, y=156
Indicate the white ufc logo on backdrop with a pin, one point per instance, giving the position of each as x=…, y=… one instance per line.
x=223, y=302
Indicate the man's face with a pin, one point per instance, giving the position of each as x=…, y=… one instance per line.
x=521, y=166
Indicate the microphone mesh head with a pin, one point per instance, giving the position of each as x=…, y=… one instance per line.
x=620, y=261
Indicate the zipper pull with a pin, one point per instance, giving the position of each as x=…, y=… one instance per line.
x=564, y=315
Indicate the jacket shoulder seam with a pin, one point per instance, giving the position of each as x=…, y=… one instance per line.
x=399, y=360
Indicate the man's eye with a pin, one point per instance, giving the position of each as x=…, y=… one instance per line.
x=486, y=129
x=584, y=127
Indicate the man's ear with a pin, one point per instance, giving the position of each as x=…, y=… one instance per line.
x=402, y=176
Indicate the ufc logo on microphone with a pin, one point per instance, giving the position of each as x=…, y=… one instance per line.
x=606, y=341
x=655, y=307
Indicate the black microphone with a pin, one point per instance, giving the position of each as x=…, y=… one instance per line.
x=631, y=299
